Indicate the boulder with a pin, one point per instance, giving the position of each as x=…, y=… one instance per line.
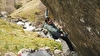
x=81, y=20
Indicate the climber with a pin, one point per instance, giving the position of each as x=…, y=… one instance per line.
x=56, y=32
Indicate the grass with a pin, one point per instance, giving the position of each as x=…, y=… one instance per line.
x=31, y=10
x=13, y=38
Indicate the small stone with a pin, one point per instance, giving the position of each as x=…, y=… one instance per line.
x=10, y=54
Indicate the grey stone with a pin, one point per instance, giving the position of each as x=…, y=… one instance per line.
x=39, y=53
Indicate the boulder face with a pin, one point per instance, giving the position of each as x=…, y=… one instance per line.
x=81, y=20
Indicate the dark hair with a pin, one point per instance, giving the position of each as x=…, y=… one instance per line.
x=47, y=19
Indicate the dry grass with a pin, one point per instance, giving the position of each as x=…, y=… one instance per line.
x=13, y=38
x=29, y=10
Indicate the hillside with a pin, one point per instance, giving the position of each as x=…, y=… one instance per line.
x=13, y=38
x=2, y=5
x=32, y=10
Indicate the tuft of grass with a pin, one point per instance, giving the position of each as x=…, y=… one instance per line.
x=13, y=38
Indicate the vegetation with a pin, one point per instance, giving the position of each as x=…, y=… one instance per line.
x=13, y=38
x=17, y=6
x=32, y=10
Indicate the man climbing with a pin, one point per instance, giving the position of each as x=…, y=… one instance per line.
x=56, y=32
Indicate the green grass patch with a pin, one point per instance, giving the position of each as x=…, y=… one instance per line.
x=13, y=38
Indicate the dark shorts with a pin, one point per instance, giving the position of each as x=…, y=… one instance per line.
x=56, y=35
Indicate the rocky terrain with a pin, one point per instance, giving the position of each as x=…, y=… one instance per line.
x=79, y=18
x=32, y=27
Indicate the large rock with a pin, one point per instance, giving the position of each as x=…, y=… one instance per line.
x=39, y=53
x=81, y=19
